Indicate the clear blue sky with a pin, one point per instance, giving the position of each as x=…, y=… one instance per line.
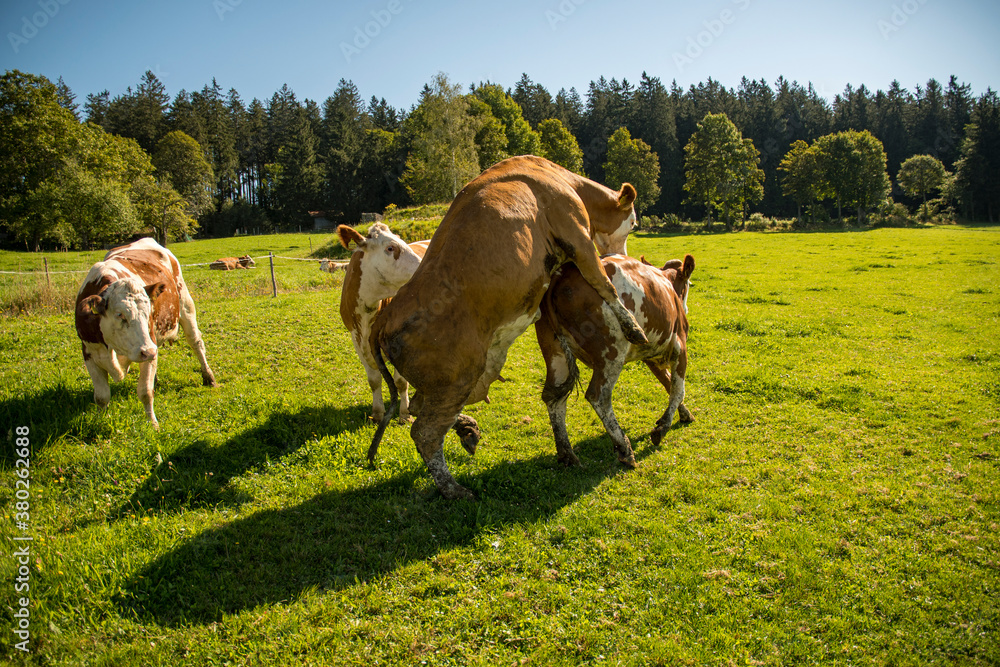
x=256, y=46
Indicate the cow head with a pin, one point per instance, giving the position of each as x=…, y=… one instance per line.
x=246, y=261
x=388, y=262
x=125, y=309
x=679, y=272
x=610, y=234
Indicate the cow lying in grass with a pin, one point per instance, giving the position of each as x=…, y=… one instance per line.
x=230, y=263
x=380, y=264
x=129, y=304
x=448, y=330
x=576, y=324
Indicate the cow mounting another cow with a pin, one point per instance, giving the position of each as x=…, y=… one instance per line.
x=480, y=285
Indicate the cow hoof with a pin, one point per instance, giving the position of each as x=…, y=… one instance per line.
x=685, y=414
x=468, y=432
x=209, y=381
x=636, y=336
x=376, y=417
x=457, y=492
x=404, y=419
x=657, y=435
x=627, y=460
x=569, y=460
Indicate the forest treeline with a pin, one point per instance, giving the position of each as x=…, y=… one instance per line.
x=218, y=163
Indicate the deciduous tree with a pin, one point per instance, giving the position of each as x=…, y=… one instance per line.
x=632, y=161
x=920, y=175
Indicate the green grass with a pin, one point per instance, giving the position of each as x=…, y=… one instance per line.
x=835, y=501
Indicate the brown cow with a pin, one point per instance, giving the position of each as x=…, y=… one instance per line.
x=129, y=304
x=380, y=264
x=575, y=324
x=480, y=285
x=230, y=263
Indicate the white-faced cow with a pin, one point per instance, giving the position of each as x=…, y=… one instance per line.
x=129, y=304
x=380, y=264
x=576, y=324
x=231, y=263
x=479, y=287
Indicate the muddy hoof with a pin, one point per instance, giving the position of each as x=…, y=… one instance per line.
x=685, y=414
x=209, y=381
x=468, y=432
x=569, y=460
x=656, y=436
x=456, y=492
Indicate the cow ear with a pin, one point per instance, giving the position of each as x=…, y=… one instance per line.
x=688, y=265
x=94, y=305
x=642, y=258
x=626, y=196
x=672, y=264
x=153, y=291
x=348, y=234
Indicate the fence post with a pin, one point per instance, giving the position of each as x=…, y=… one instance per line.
x=48, y=283
x=274, y=285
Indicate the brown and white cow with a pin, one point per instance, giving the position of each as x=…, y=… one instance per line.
x=131, y=303
x=380, y=264
x=332, y=265
x=231, y=263
x=576, y=324
x=480, y=285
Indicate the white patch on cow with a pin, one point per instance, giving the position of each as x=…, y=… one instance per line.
x=387, y=265
x=560, y=369
x=615, y=243
x=125, y=322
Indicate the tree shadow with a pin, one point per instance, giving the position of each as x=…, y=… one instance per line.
x=198, y=475
x=337, y=539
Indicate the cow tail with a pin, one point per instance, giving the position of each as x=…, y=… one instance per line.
x=390, y=411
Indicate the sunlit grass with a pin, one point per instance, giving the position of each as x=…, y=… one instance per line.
x=835, y=501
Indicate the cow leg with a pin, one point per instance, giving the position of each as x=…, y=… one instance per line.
x=436, y=418
x=147, y=380
x=599, y=393
x=375, y=383
x=675, y=402
x=662, y=424
x=102, y=388
x=193, y=337
x=561, y=374
x=593, y=272
x=402, y=387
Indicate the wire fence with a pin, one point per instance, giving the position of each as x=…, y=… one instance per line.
x=329, y=265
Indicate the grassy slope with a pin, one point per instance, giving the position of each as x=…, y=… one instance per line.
x=834, y=502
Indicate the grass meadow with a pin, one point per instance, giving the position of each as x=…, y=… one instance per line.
x=835, y=502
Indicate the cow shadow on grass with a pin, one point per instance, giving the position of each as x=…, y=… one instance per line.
x=337, y=539
x=200, y=474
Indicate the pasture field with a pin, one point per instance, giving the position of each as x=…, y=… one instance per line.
x=835, y=502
